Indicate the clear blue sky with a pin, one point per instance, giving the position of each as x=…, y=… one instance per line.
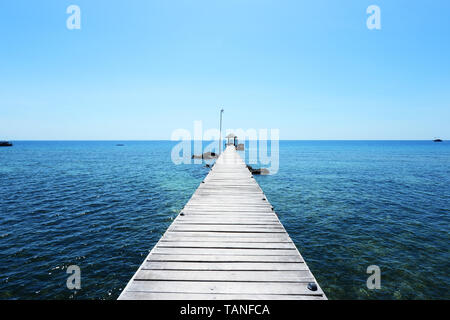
x=140, y=69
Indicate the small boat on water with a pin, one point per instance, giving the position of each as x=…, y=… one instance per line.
x=5, y=144
x=437, y=140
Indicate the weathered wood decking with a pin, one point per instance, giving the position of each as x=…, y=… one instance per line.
x=227, y=243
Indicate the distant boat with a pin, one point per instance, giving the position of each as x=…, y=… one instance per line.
x=437, y=140
x=5, y=144
x=119, y=145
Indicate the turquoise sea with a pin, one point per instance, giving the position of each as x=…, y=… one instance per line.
x=346, y=205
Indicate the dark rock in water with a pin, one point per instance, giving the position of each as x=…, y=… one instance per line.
x=262, y=171
x=207, y=166
x=5, y=144
x=119, y=145
x=437, y=140
x=206, y=155
x=210, y=155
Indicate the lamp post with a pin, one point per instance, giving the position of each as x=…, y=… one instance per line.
x=220, y=134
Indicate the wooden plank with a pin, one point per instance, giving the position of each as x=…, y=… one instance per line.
x=206, y=258
x=228, y=223
x=233, y=219
x=234, y=207
x=133, y=295
x=258, y=220
x=230, y=213
x=255, y=266
x=232, y=236
x=217, y=244
x=225, y=275
x=219, y=287
x=262, y=241
x=217, y=228
x=227, y=252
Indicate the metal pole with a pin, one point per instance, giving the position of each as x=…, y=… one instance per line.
x=220, y=135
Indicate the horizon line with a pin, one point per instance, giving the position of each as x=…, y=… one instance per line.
x=143, y=140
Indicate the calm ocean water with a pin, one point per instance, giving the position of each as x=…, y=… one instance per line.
x=346, y=205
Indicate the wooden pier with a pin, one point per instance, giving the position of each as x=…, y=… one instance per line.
x=227, y=243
